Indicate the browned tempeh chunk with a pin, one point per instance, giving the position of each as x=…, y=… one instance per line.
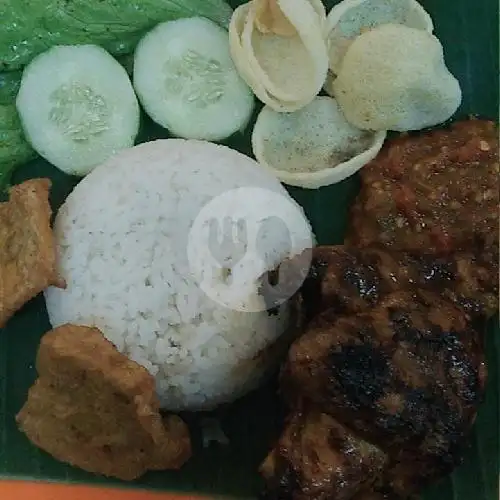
x=95, y=409
x=27, y=246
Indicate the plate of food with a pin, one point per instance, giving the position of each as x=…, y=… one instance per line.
x=249, y=249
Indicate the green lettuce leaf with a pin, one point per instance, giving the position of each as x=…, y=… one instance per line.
x=9, y=86
x=30, y=27
x=14, y=149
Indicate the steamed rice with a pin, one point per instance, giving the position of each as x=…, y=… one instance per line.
x=122, y=236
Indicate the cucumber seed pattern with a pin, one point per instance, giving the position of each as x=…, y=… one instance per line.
x=79, y=112
x=197, y=79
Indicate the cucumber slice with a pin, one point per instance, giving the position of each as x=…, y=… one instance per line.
x=77, y=107
x=187, y=82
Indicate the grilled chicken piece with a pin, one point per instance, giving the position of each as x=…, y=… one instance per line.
x=406, y=376
x=319, y=458
x=432, y=192
x=351, y=280
x=393, y=370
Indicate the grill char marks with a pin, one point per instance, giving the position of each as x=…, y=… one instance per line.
x=394, y=373
x=405, y=377
x=351, y=280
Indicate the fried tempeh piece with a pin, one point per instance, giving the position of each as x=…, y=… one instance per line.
x=27, y=247
x=95, y=409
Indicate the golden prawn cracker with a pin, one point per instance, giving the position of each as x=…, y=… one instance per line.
x=27, y=247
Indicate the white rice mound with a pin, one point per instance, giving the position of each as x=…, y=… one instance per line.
x=122, y=236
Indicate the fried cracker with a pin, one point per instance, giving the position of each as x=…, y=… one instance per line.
x=27, y=246
x=95, y=409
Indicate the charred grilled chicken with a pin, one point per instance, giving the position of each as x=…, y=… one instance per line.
x=385, y=384
x=351, y=280
x=403, y=379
